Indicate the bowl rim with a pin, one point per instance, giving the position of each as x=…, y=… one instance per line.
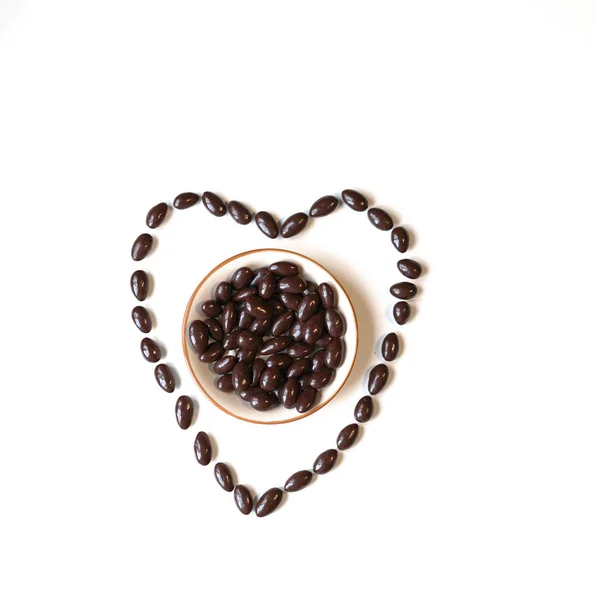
x=185, y=349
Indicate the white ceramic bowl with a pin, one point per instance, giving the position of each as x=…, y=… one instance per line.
x=204, y=376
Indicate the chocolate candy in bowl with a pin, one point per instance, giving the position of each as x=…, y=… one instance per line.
x=256, y=316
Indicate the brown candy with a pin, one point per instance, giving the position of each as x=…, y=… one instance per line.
x=214, y=204
x=298, y=481
x=294, y=225
x=325, y=461
x=268, y=502
x=390, y=347
x=202, y=448
x=409, y=268
x=184, y=411
x=267, y=224
x=243, y=499
x=347, y=436
x=142, y=246
x=324, y=206
x=364, y=409
x=400, y=239
x=142, y=319
x=402, y=312
x=403, y=290
x=156, y=215
x=377, y=379
x=223, y=476
x=186, y=200
x=354, y=200
x=165, y=378
x=139, y=284
x=239, y=213
x=150, y=350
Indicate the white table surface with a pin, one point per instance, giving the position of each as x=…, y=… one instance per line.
x=473, y=123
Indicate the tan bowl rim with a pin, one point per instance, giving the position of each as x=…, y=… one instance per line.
x=187, y=356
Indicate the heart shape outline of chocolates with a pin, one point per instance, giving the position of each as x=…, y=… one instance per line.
x=292, y=226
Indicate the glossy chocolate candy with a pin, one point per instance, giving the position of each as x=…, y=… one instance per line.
x=247, y=339
x=150, y=350
x=214, y=204
x=298, y=367
x=212, y=354
x=260, y=326
x=347, y=436
x=322, y=378
x=267, y=285
x=142, y=319
x=324, y=206
x=211, y=308
x=390, y=347
x=327, y=295
x=334, y=353
x=291, y=285
x=377, y=379
x=404, y=290
x=298, y=481
x=299, y=350
x=199, y=336
x=400, y=239
x=308, y=306
x=281, y=360
x=139, y=284
x=306, y=400
x=259, y=309
x=284, y=268
x=142, y=246
x=229, y=317
x=165, y=378
x=241, y=377
x=215, y=329
x=267, y=224
x=289, y=392
x=243, y=499
x=184, y=411
x=354, y=200
x=230, y=341
x=225, y=384
x=402, y=312
x=239, y=213
x=270, y=379
x=223, y=476
x=294, y=225
x=334, y=323
x=282, y=323
x=261, y=400
x=364, y=409
x=268, y=502
x=275, y=345
x=314, y=328
x=409, y=268
x=186, y=200
x=325, y=461
x=241, y=278
x=202, y=448
x=224, y=365
x=223, y=292
x=243, y=294
x=258, y=368
x=156, y=215
x=380, y=219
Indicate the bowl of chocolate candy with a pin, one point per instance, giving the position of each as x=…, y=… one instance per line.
x=270, y=336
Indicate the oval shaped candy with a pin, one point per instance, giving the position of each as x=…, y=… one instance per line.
x=202, y=448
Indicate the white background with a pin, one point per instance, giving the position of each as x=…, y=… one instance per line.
x=472, y=122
